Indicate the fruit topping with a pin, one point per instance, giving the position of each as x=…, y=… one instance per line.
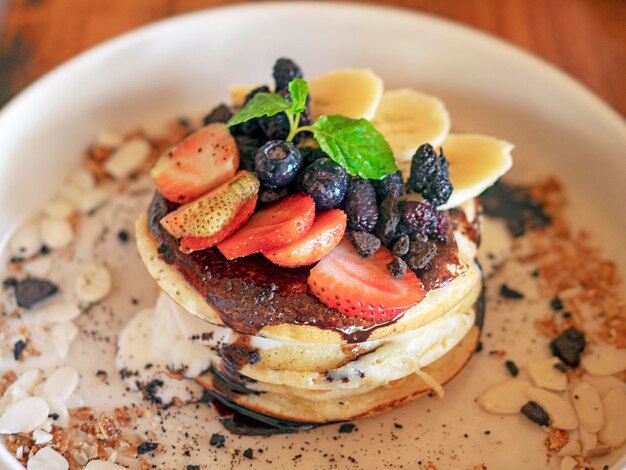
x=326, y=182
x=276, y=225
x=422, y=217
x=430, y=175
x=248, y=147
x=200, y=162
x=219, y=114
x=325, y=233
x=360, y=205
x=363, y=287
x=208, y=220
x=277, y=163
x=285, y=70
x=391, y=185
x=364, y=243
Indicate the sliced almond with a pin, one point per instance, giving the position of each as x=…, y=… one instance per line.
x=562, y=414
x=39, y=267
x=109, y=138
x=47, y=459
x=63, y=335
x=573, y=446
x=26, y=241
x=604, y=384
x=613, y=433
x=62, y=382
x=588, y=406
x=505, y=398
x=24, y=416
x=128, y=158
x=56, y=233
x=545, y=375
x=20, y=389
x=599, y=451
x=588, y=440
x=58, y=209
x=568, y=463
x=604, y=359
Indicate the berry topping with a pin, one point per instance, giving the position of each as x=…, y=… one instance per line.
x=360, y=205
x=325, y=233
x=391, y=185
x=285, y=70
x=364, y=243
x=213, y=217
x=200, y=162
x=277, y=163
x=326, y=182
x=422, y=217
x=568, y=346
x=430, y=175
x=220, y=114
x=363, y=287
x=276, y=225
x=248, y=147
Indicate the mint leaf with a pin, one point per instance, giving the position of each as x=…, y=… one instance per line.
x=355, y=145
x=298, y=89
x=262, y=104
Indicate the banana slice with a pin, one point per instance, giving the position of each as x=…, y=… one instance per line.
x=408, y=119
x=476, y=162
x=354, y=93
x=239, y=92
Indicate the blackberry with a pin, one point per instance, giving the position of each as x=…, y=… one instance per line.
x=364, y=243
x=220, y=114
x=326, y=182
x=360, y=205
x=277, y=163
x=390, y=185
x=248, y=147
x=422, y=217
x=388, y=220
x=430, y=175
x=285, y=70
x=250, y=128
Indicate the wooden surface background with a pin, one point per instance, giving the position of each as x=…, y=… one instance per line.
x=586, y=38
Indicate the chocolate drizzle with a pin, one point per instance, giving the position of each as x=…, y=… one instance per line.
x=251, y=293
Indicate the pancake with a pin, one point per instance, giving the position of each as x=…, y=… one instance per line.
x=253, y=296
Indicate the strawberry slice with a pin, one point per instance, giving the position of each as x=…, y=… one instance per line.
x=279, y=224
x=202, y=161
x=363, y=287
x=325, y=233
x=213, y=217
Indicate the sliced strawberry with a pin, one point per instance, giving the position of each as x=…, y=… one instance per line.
x=189, y=244
x=279, y=224
x=202, y=161
x=363, y=287
x=325, y=233
x=213, y=217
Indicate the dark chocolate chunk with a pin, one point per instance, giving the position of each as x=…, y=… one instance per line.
x=479, y=346
x=401, y=246
x=512, y=368
x=30, y=292
x=389, y=217
x=556, y=304
x=397, y=425
x=365, y=243
x=18, y=349
x=507, y=292
x=147, y=446
x=9, y=282
x=535, y=413
x=123, y=236
x=347, y=428
x=248, y=453
x=421, y=253
x=568, y=346
x=566, y=314
x=192, y=467
x=397, y=267
x=217, y=440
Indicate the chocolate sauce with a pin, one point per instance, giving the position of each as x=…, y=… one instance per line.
x=515, y=206
x=250, y=293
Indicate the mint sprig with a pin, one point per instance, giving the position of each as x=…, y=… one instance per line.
x=352, y=143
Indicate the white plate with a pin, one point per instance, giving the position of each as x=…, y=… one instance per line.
x=182, y=66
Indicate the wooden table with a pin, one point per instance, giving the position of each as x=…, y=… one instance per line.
x=586, y=38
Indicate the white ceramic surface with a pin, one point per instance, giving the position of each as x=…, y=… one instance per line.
x=182, y=66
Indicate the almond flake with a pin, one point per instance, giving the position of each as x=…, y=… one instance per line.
x=26, y=241
x=505, y=398
x=92, y=200
x=41, y=436
x=109, y=138
x=62, y=382
x=604, y=359
x=588, y=406
x=58, y=312
x=613, y=433
x=39, y=267
x=588, y=440
x=24, y=416
x=25, y=383
x=47, y=459
x=56, y=233
x=63, y=335
x=560, y=411
x=74, y=401
x=568, y=463
x=58, y=209
x=545, y=375
x=128, y=158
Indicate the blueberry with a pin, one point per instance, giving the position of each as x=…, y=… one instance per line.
x=285, y=70
x=220, y=114
x=277, y=163
x=360, y=205
x=390, y=185
x=326, y=182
